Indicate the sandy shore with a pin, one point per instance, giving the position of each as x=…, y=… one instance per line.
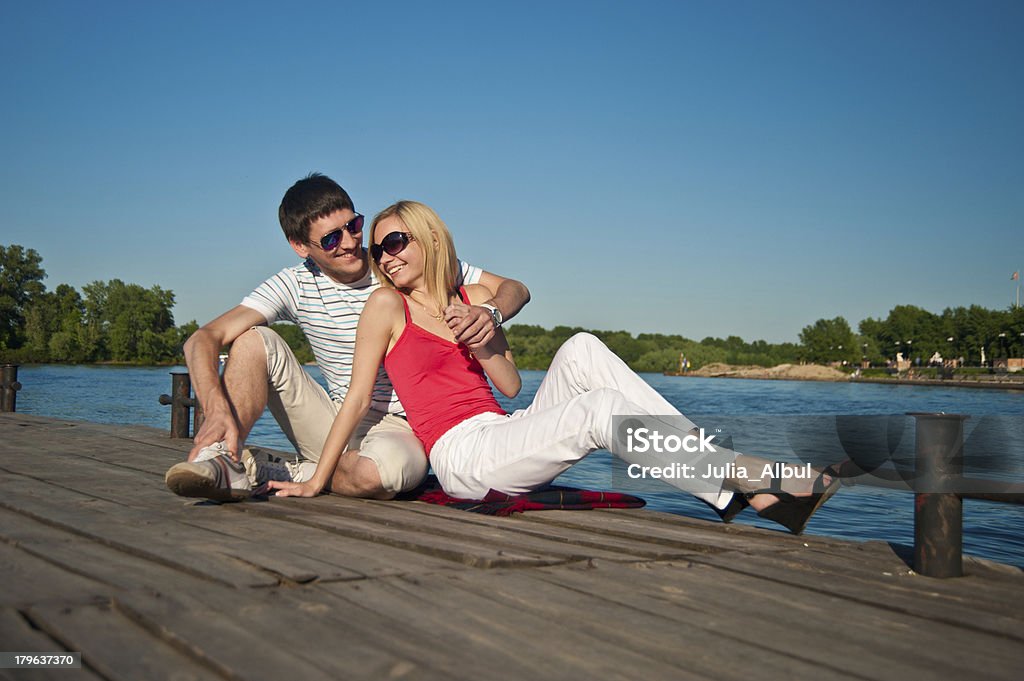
x=816, y=372
x=789, y=372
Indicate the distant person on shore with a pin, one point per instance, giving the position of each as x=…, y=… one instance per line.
x=324, y=295
x=474, y=446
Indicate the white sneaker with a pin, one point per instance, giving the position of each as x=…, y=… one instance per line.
x=266, y=466
x=211, y=452
x=219, y=478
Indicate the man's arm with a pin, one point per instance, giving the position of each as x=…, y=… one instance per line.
x=202, y=355
x=473, y=325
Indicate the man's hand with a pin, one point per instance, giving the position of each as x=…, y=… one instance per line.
x=472, y=325
x=219, y=426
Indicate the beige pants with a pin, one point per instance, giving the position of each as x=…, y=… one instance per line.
x=305, y=413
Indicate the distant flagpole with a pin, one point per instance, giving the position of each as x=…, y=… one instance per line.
x=1016, y=277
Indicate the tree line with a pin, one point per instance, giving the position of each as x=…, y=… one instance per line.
x=969, y=333
x=113, y=321
x=960, y=332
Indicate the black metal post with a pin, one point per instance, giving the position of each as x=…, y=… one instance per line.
x=938, y=509
x=180, y=400
x=9, y=388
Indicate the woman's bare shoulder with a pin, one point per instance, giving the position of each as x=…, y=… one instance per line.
x=384, y=301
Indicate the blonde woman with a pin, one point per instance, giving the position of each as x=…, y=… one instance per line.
x=472, y=444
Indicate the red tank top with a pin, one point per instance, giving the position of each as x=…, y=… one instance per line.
x=439, y=382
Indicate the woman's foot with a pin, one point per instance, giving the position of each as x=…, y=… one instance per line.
x=793, y=509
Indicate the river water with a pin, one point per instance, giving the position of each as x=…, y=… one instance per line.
x=787, y=420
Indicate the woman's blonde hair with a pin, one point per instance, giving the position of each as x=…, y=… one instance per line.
x=440, y=266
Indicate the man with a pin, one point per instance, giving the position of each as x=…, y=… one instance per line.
x=324, y=295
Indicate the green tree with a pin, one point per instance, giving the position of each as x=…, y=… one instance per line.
x=829, y=340
x=126, y=322
x=296, y=340
x=21, y=280
x=55, y=315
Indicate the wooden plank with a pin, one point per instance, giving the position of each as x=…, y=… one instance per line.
x=489, y=531
x=31, y=580
x=317, y=513
x=117, y=648
x=267, y=633
x=18, y=635
x=479, y=637
x=895, y=592
x=672, y=634
x=595, y=544
x=671, y=530
x=142, y=534
x=804, y=621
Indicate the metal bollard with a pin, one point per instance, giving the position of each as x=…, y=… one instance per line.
x=181, y=402
x=9, y=388
x=938, y=509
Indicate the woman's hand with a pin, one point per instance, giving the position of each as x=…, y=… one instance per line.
x=294, y=489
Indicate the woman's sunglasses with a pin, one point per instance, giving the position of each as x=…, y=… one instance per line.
x=392, y=244
x=330, y=241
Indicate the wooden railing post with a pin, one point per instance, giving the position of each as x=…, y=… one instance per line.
x=181, y=402
x=9, y=388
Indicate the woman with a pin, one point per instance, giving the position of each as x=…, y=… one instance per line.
x=473, y=445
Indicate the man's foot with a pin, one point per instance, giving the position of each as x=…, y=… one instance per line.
x=211, y=452
x=222, y=479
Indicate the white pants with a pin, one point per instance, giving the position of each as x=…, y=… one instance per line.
x=570, y=417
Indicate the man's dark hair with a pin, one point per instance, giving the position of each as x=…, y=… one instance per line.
x=311, y=198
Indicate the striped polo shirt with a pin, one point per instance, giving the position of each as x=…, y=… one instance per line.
x=328, y=313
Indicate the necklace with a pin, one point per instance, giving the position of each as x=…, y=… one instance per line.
x=438, y=316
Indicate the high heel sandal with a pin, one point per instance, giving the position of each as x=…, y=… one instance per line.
x=733, y=508
x=793, y=512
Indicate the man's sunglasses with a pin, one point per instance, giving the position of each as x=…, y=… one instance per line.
x=330, y=241
x=392, y=244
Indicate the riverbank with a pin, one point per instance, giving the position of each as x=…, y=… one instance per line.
x=816, y=372
x=785, y=372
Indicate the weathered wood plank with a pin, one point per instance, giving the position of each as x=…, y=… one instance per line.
x=895, y=592
x=32, y=579
x=138, y=533
x=117, y=648
x=594, y=543
x=670, y=530
x=802, y=619
x=17, y=635
x=266, y=633
x=480, y=637
x=486, y=530
x=357, y=558
x=323, y=513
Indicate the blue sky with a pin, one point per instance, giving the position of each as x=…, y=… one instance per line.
x=702, y=168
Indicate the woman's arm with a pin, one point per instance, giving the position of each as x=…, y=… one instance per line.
x=376, y=328
x=495, y=356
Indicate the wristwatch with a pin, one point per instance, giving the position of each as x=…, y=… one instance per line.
x=495, y=314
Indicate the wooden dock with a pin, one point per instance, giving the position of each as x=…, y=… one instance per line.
x=99, y=557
